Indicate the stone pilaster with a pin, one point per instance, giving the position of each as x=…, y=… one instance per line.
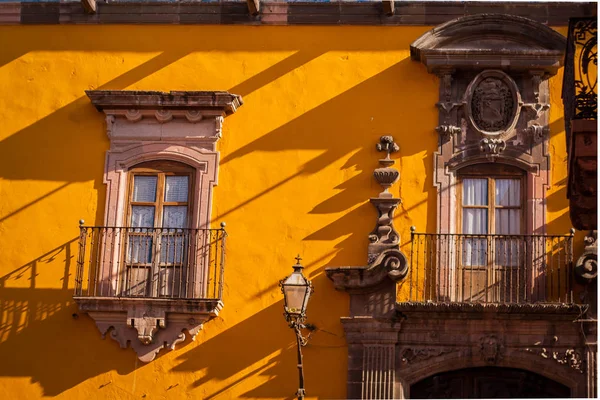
x=371, y=358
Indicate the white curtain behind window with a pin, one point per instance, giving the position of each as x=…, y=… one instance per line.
x=508, y=221
x=475, y=221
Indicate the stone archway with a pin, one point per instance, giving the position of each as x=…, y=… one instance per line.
x=488, y=382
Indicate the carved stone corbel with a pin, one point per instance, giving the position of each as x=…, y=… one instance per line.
x=373, y=287
x=89, y=6
x=448, y=130
x=163, y=116
x=586, y=267
x=145, y=325
x=388, y=7
x=253, y=7
x=148, y=329
x=133, y=115
x=536, y=109
x=537, y=132
x=492, y=147
x=110, y=120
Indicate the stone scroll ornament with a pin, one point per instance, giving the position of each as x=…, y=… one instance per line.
x=384, y=239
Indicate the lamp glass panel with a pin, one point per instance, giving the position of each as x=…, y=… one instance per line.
x=295, y=298
x=295, y=288
x=306, y=297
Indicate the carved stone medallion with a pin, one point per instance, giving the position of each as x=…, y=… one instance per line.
x=493, y=103
x=490, y=348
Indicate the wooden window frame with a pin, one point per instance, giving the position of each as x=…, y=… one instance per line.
x=161, y=169
x=491, y=173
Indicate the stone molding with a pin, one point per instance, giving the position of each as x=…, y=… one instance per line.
x=156, y=126
x=335, y=12
x=193, y=101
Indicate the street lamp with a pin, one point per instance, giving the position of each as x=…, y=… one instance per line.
x=296, y=291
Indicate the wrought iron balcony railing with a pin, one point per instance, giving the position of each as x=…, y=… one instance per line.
x=164, y=263
x=580, y=79
x=501, y=269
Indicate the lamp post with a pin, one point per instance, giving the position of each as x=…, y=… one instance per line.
x=296, y=291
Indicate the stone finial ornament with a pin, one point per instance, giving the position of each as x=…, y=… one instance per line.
x=384, y=236
x=386, y=176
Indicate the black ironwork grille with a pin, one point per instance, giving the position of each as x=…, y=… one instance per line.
x=580, y=94
x=489, y=269
x=150, y=263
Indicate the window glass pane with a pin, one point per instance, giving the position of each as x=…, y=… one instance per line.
x=508, y=192
x=144, y=188
x=508, y=221
x=176, y=188
x=474, y=252
x=507, y=251
x=142, y=216
x=175, y=217
x=475, y=221
x=475, y=192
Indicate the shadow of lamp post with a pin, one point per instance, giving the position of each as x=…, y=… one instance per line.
x=296, y=291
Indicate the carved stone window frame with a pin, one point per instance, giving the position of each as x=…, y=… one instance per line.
x=142, y=126
x=517, y=51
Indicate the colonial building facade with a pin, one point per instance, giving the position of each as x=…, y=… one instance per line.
x=163, y=162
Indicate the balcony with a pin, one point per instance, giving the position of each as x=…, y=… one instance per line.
x=150, y=282
x=463, y=271
x=159, y=263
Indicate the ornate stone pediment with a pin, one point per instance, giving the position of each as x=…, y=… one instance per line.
x=490, y=40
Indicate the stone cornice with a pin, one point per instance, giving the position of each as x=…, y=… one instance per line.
x=490, y=41
x=223, y=102
x=336, y=12
x=209, y=307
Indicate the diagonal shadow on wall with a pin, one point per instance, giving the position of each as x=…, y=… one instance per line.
x=323, y=127
x=263, y=347
x=37, y=327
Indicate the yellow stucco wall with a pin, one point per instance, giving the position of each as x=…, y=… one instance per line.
x=296, y=175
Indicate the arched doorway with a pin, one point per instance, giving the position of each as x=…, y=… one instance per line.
x=487, y=382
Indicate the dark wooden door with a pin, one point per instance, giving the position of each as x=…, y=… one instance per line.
x=487, y=383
